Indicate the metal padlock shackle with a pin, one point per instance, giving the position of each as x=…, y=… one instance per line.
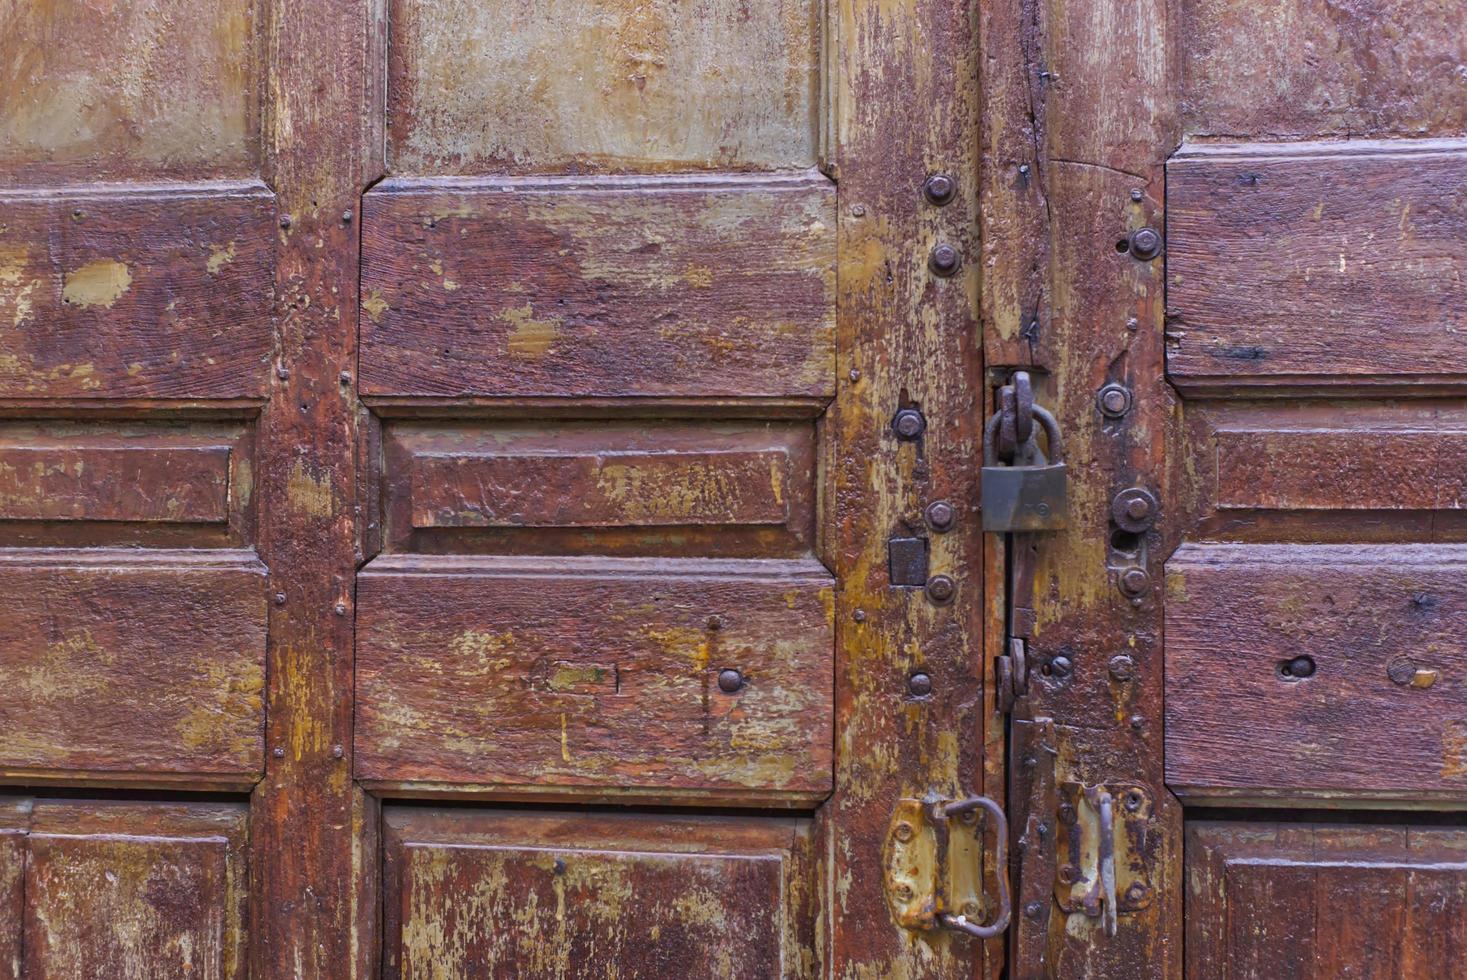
x=1051, y=430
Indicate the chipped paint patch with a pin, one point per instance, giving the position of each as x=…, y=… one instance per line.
x=375, y=306
x=219, y=258
x=529, y=337
x=98, y=283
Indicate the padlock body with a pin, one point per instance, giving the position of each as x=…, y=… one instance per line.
x=1025, y=498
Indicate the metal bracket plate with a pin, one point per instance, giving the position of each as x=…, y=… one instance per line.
x=933, y=862
x=1105, y=846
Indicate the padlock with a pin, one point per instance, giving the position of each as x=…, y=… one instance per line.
x=1028, y=497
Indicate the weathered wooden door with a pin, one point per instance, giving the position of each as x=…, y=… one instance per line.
x=486, y=489
x=1229, y=240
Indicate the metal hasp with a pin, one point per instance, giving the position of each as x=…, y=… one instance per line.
x=1023, y=490
x=933, y=860
x=1105, y=850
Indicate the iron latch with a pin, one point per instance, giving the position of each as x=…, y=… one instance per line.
x=1104, y=850
x=934, y=865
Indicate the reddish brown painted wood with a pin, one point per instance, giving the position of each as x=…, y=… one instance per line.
x=132, y=665
x=566, y=675
x=151, y=292
x=1292, y=69
x=615, y=287
x=1318, y=261
x=717, y=488
x=15, y=815
x=133, y=889
x=115, y=483
x=1349, y=468
x=516, y=893
x=1323, y=901
x=1235, y=613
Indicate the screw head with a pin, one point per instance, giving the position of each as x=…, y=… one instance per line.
x=1068, y=874
x=940, y=515
x=944, y=260
x=1134, y=581
x=1114, y=400
x=919, y=685
x=1061, y=666
x=909, y=424
x=1033, y=909
x=859, y=615
x=941, y=588
x=730, y=681
x=1122, y=667
x=939, y=189
x=1145, y=244
x=904, y=832
x=715, y=623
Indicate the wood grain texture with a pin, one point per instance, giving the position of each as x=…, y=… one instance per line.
x=115, y=483
x=715, y=488
x=132, y=665
x=558, y=675
x=1309, y=69
x=562, y=894
x=906, y=106
x=1236, y=725
x=556, y=86
x=15, y=815
x=150, y=292
x=149, y=89
x=314, y=916
x=1315, y=901
x=1326, y=262
x=135, y=890
x=677, y=286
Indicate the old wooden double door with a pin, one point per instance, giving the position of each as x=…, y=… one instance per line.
x=491, y=488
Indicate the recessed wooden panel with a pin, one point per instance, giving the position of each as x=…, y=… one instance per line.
x=549, y=86
x=1325, y=901
x=1322, y=263
x=515, y=893
x=678, y=287
x=135, y=890
x=143, y=666
x=1292, y=69
x=1341, y=469
x=730, y=489
x=566, y=675
x=115, y=483
x=147, y=89
x=161, y=292
x=1379, y=716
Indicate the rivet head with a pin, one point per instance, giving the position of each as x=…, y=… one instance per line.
x=280, y=598
x=941, y=588
x=1145, y=244
x=337, y=751
x=278, y=752
x=1114, y=400
x=939, y=189
x=715, y=622
x=1134, y=582
x=1400, y=670
x=940, y=515
x=909, y=424
x=1137, y=195
x=730, y=681
x=859, y=615
x=1122, y=667
x=944, y=260
x=346, y=217
x=1033, y=909
x=920, y=685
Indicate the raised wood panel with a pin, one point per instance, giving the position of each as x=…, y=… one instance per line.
x=730, y=489
x=596, y=676
x=509, y=893
x=132, y=666
x=1379, y=717
x=168, y=484
x=147, y=89
x=156, y=292
x=1292, y=69
x=135, y=890
x=697, y=287
x=560, y=86
x=1317, y=263
x=1318, y=902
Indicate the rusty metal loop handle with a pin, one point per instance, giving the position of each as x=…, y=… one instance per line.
x=960, y=923
x=1046, y=419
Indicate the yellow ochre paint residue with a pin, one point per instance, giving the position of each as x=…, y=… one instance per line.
x=99, y=283
x=529, y=337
